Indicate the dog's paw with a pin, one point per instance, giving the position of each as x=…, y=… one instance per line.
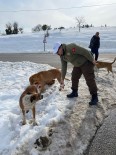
x=22, y=123
x=61, y=87
x=50, y=133
x=34, y=123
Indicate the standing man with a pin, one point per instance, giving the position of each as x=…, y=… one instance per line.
x=95, y=45
x=83, y=63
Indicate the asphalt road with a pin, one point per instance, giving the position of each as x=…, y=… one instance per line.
x=46, y=58
x=50, y=59
x=105, y=140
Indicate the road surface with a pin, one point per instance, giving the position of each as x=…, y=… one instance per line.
x=49, y=58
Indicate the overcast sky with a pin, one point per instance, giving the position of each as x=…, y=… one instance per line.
x=46, y=14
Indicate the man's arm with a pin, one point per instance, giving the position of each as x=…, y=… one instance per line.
x=99, y=43
x=63, y=68
x=63, y=72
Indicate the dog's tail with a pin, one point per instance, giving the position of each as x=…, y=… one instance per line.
x=114, y=60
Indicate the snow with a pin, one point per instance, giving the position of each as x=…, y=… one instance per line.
x=73, y=122
x=33, y=42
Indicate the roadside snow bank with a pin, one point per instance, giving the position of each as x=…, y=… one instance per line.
x=72, y=121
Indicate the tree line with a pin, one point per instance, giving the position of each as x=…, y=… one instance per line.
x=15, y=29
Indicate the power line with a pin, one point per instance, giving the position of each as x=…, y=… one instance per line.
x=84, y=6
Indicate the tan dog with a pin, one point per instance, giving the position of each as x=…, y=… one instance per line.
x=28, y=100
x=107, y=65
x=45, y=77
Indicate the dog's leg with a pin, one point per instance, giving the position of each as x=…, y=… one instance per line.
x=110, y=69
x=112, y=74
x=51, y=82
x=59, y=79
x=24, y=118
x=33, y=112
x=43, y=86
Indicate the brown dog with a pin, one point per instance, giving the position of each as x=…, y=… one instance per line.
x=107, y=65
x=28, y=100
x=45, y=77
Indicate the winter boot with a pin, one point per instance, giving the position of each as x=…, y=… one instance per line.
x=73, y=94
x=94, y=100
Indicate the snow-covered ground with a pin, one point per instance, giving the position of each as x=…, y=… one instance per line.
x=53, y=109
x=72, y=121
x=33, y=42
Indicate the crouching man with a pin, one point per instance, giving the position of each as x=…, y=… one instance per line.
x=83, y=63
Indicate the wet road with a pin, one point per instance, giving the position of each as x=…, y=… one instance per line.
x=46, y=58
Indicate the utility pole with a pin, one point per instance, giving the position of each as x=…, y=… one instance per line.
x=44, y=41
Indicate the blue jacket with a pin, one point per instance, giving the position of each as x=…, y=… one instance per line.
x=94, y=42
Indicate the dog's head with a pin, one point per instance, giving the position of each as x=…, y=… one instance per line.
x=35, y=97
x=30, y=99
x=38, y=85
x=35, y=81
x=31, y=80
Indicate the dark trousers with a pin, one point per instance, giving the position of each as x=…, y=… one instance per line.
x=87, y=69
x=95, y=51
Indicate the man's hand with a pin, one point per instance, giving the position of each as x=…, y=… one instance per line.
x=94, y=62
x=61, y=85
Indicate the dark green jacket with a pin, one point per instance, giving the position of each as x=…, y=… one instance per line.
x=74, y=54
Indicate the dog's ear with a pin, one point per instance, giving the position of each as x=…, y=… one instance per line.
x=32, y=98
x=31, y=80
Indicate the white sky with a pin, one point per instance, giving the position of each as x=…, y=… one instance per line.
x=100, y=15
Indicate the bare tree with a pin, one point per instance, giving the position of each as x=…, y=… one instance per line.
x=9, y=25
x=80, y=21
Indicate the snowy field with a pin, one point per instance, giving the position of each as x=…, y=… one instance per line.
x=72, y=121
x=33, y=42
